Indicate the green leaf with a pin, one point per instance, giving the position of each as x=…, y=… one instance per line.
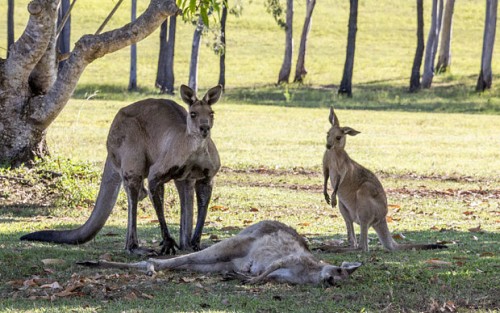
x=204, y=15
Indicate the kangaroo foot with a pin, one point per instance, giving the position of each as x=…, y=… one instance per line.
x=142, y=251
x=168, y=246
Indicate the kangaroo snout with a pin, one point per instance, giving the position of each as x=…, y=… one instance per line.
x=204, y=130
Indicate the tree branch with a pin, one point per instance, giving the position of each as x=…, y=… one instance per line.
x=27, y=51
x=44, y=109
x=45, y=72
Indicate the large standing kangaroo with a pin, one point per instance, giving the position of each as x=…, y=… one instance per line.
x=157, y=140
x=266, y=251
x=362, y=198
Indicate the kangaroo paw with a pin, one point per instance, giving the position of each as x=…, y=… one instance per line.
x=168, y=246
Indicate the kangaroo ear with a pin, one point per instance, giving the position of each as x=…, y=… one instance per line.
x=350, y=267
x=213, y=95
x=350, y=131
x=333, y=118
x=188, y=95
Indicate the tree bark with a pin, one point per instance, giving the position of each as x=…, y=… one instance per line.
x=195, y=49
x=485, y=78
x=286, y=67
x=165, y=72
x=222, y=57
x=419, y=53
x=444, y=57
x=26, y=113
x=132, y=82
x=300, y=68
x=170, y=78
x=10, y=25
x=432, y=41
x=63, y=41
x=346, y=83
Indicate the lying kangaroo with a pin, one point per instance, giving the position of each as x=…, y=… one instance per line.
x=361, y=196
x=158, y=140
x=266, y=251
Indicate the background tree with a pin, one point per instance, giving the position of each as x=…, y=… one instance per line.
x=286, y=67
x=222, y=56
x=195, y=52
x=444, y=57
x=132, y=82
x=34, y=93
x=10, y=24
x=485, y=78
x=346, y=83
x=165, y=74
x=64, y=31
x=432, y=42
x=419, y=53
x=300, y=68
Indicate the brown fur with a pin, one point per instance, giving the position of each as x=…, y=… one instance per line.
x=266, y=251
x=157, y=140
x=362, y=198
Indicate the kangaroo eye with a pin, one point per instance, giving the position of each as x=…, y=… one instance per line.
x=193, y=114
x=339, y=137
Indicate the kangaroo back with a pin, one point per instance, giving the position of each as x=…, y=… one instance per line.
x=108, y=193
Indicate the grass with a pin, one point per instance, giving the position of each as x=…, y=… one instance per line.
x=436, y=152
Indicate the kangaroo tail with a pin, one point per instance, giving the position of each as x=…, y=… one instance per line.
x=388, y=242
x=106, y=199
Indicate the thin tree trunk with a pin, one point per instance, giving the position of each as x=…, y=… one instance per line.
x=485, y=78
x=286, y=67
x=419, y=53
x=195, y=49
x=222, y=58
x=300, y=68
x=170, y=78
x=132, y=83
x=432, y=41
x=346, y=83
x=10, y=25
x=161, y=71
x=63, y=41
x=444, y=57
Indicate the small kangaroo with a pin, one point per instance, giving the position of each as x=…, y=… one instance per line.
x=362, y=198
x=157, y=140
x=266, y=251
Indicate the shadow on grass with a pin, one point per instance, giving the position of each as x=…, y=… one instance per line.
x=450, y=94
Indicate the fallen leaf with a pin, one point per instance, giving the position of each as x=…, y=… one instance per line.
x=187, y=279
x=389, y=219
x=254, y=210
x=246, y=222
x=110, y=234
x=105, y=256
x=468, y=213
x=229, y=228
x=213, y=237
x=153, y=221
x=53, y=261
x=218, y=208
x=305, y=224
x=398, y=236
x=476, y=229
x=131, y=296
x=145, y=295
x=394, y=206
x=54, y=285
x=486, y=254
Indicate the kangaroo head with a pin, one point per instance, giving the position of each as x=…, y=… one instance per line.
x=336, y=135
x=331, y=274
x=200, y=118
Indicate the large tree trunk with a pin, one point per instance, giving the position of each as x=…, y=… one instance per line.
x=195, y=51
x=346, y=83
x=132, y=82
x=165, y=73
x=10, y=24
x=63, y=41
x=222, y=58
x=286, y=67
x=432, y=41
x=300, y=68
x=485, y=76
x=444, y=57
x=419, y=53
x=34, y=93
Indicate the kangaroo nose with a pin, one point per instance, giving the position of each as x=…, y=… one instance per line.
x=204, y=129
